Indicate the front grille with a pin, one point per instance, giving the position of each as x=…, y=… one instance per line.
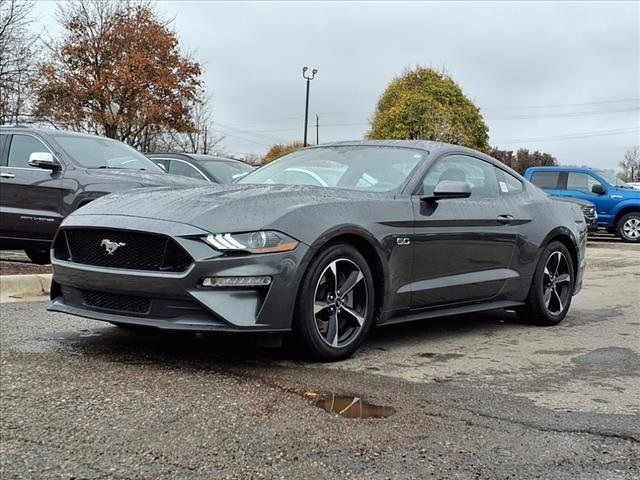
x=121, y=249
x=120, y=303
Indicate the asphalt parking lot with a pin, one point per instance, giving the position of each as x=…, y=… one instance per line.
x=479, y=396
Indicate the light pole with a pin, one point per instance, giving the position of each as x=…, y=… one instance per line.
x=306, y=106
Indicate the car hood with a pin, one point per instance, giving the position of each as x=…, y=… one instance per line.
x=228, y=208
x=140, y=177
x=579, y=201
x=627, y=193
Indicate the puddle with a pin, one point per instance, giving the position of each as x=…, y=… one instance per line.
x=348, y=406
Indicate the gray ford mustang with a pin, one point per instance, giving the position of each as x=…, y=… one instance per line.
x=324, y=243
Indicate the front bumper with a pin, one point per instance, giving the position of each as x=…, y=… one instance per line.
x=177, y=301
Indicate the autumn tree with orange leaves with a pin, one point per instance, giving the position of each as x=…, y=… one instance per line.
x=118, y=71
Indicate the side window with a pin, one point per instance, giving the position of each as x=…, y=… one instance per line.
x=164, y=163
x=581, y=182
x=546, y=180
x=21, y=147
x=507, y=182
x=479, y=175
x=178, y=167
x=3, y=139
x=591, y=182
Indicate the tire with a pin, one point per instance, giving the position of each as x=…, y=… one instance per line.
x=330, y=325
x=41, y=256
x=628, y=228
x=551, y=290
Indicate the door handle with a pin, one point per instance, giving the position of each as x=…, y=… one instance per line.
x=7, y=175
x=505, y=219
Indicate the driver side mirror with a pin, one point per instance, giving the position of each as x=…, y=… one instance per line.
x=43, y=160
x=598, y=189
x=449, y=189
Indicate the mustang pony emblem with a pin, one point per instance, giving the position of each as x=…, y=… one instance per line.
x=111, y=246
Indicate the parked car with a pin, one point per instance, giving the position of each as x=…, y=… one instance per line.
x=588, y=210
x=635, y=185
x=405, y=230
x=617, y=204
x=204, y=167
x=47, y=174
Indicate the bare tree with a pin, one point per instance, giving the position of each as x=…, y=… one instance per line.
x=631, y=165
x=201, y=139
x=17, y=59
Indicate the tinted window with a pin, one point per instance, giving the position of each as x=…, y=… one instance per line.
x=546, y=180
x=507, y=182
x=100, y=152
x=21, y=147
x=225, y=172
x=178, y=167
x=581, y=182
x=478, y=174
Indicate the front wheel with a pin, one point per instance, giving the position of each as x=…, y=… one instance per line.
x=551, y=289
x=335, y=305
x=40, y=256
x=629, y=227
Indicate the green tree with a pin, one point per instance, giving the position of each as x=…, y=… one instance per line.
x=280, y=150
x=428, y=105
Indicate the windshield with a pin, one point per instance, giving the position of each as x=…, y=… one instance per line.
x=368, y=168
x=100, y=152
x=225, y=172
x=613, y=180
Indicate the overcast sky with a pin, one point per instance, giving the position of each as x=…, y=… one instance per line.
x=560, y=77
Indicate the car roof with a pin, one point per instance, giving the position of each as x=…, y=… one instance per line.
x=193, y=156
x=563, y=169
x=47, y=131
x=420, y=144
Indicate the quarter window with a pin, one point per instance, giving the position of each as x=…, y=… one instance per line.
x=478, y=174
x=546, y=180
x=581, y=182
x=21, y=147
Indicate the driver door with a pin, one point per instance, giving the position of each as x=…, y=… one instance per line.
x=30, y=197
x=463, y=247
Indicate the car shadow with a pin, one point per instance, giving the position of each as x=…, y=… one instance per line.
x=207, y=350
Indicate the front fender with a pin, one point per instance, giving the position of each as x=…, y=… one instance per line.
x=361, y=237
x=633, y=203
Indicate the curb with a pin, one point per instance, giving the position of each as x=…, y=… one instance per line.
x=16, y=288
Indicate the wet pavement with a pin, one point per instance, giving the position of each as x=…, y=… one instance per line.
x=480, y=396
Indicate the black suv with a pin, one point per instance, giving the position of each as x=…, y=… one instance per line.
x=47, y=174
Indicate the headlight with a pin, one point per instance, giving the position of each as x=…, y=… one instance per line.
x=252, y=242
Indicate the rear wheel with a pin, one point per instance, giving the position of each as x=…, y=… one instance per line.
x=335, y=305
x=629, y=227
x=551, y=288
x=40, y=256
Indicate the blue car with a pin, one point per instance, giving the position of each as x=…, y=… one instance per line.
x=617, y=203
